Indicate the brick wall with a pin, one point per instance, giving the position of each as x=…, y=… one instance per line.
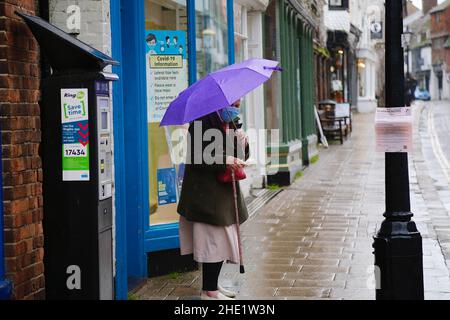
x=427, y=5
x=20, y=133
x=440, y=30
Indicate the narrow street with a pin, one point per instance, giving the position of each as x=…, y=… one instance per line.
x=314, y=240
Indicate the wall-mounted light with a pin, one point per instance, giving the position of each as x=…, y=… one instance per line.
x=406, y=37
x=208, y=32
x=361, y=64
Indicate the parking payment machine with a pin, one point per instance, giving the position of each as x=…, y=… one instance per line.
x=77, y=161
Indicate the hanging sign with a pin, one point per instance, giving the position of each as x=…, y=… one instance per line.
x=376, y=30
x=75, y=134
x=167, y=73
x=393, y=128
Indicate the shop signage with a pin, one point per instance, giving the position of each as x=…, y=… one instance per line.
x=376, y=30
x=75, y=134
x=338, y=4
x=342, y=110
x=167, y=73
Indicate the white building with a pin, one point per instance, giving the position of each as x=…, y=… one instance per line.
x=248, y=22
x=368, y=16
x=367, y=19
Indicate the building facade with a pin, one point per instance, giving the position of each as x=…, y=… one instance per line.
x=207, y=35
x=248, y=42
x=22, y=252
x=342, y=39
x=440, y=32
x=368, y=16
x=321, y=57
x=419, y=51
x=289, y=37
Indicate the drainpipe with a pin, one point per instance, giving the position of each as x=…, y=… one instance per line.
x=5, y=285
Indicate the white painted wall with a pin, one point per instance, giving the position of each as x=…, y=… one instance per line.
x=255, y=112
x=363, y=13
x=255, y=117
x=446, y=85
x=434, y=87
x=95, y=28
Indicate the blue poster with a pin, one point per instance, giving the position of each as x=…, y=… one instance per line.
x=166, y=42
x=167, y=186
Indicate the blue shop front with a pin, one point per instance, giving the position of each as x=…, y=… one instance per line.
x=163, y=46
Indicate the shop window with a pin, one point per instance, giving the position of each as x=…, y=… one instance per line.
x=212, y=36
x=167, y=75
x=240, y=32
x=240, y=46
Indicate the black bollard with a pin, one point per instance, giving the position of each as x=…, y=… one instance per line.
x=398, y=243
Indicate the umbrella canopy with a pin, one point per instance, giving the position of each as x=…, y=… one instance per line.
x=218, y=90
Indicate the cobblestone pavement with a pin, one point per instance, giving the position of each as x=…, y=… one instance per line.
x=314, y=240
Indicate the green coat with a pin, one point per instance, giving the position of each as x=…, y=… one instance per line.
x=203, y=198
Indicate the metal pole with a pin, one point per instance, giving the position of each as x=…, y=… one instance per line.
x=407, y=59
x=398, y=243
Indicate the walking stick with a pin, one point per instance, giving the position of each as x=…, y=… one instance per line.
x=241, y=260
x=236, y=209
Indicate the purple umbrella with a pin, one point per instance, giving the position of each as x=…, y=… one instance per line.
x=218, y=90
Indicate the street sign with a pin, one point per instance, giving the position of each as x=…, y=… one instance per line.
x=376, y=30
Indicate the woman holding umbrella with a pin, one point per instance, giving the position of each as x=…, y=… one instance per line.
x=208, y=222
x=211, y=203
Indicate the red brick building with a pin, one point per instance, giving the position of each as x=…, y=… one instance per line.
x=20, y=134
x=440, y=35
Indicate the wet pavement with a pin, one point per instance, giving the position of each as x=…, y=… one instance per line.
x=314, y=240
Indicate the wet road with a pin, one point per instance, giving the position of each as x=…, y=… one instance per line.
x=438, y=123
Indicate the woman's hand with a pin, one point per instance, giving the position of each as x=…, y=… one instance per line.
x=235, y=163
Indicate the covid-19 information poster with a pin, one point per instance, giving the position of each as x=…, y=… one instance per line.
x=75, y=134
x=167, y=72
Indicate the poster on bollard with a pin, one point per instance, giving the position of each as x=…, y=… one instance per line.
x=393, y=129
x=75, y=134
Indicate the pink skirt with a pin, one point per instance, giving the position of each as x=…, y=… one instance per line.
x=209, y=243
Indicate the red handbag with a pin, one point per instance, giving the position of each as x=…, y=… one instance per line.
x=226, y=177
